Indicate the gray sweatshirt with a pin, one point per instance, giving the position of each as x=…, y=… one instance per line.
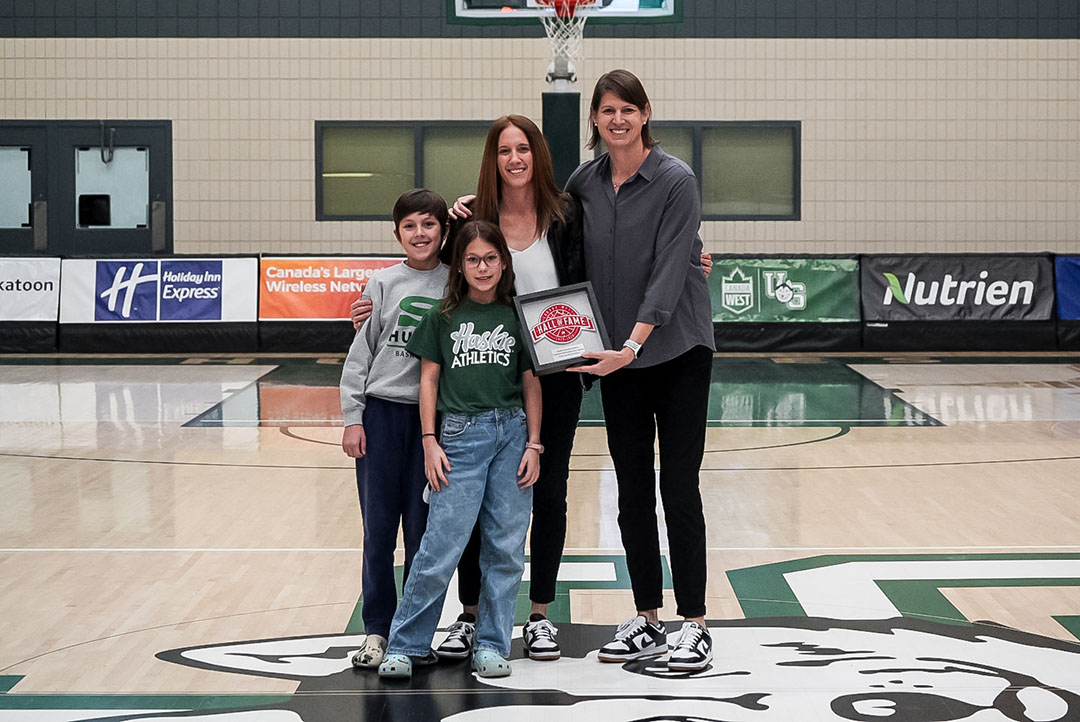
x=378, y=363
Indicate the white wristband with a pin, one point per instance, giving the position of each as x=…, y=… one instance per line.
x=633, y=346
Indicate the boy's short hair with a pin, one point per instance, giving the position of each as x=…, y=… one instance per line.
x=421, y=200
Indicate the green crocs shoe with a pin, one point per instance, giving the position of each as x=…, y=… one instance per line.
x=487, y=663
x=395, y=666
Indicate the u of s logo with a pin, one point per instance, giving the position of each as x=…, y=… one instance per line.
x=561, y=323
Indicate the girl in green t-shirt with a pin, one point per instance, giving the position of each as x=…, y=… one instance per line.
x=481, y=467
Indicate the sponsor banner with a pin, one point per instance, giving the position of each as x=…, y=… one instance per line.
x=1067, y=271
x=817, y=290
x=29, y=289
x=957, y=288
x=201, y=290
x=314, y=289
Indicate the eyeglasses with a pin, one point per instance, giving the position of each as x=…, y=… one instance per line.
x=490, y=261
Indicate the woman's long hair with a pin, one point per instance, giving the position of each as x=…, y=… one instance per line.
x=489, y=185
x=457, y=288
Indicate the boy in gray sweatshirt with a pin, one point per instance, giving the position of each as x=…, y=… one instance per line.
x=380, y=393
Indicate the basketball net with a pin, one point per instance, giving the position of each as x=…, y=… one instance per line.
x=564, y=28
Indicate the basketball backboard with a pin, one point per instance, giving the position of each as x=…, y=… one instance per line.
x=511, y=11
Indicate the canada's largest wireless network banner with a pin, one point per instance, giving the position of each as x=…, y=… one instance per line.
x=199, y=290
x=314, y=288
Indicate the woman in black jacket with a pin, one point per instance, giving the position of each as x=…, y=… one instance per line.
x=543, y=227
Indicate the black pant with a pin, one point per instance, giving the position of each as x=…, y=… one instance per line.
x=561, y=393
x=669, y=401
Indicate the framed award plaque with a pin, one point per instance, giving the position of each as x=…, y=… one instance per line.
x=559, y=325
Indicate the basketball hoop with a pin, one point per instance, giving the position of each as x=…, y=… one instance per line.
x=564, y=28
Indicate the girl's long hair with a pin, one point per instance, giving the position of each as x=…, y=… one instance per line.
x=489, y=186
x=457, y=288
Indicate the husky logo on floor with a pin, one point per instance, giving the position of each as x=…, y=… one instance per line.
x=779, y=669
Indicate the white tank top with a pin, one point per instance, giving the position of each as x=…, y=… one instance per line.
x=534, y=268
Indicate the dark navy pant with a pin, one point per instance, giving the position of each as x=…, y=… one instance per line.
x=390, y=481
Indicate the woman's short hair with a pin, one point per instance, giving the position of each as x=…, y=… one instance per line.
x=626, y=86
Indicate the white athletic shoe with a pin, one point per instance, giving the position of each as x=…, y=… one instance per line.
x=693, y=651
x=635, y=639
x=539, y=635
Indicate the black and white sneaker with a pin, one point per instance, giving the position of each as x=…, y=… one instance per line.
x=693, y=650
x=635, y=639
x=539, y=635
x=459, y=642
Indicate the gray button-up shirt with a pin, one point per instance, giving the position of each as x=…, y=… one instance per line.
x=642, y=254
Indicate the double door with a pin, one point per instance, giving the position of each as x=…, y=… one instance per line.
x=85, y=188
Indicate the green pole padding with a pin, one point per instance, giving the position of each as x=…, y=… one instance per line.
x=561, y=128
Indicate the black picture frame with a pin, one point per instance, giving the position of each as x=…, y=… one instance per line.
x=584, y=332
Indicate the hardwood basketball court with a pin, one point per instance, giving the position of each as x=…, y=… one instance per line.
x=180, y=538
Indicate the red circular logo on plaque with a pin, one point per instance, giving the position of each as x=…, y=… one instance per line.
x=561, y=323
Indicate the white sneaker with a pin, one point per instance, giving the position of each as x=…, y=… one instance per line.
x=693, y=651
x=635, y=639
x=459, y=642
x=371, y=654
x=539, y=636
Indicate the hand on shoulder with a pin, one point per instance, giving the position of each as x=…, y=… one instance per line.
x=460, y=211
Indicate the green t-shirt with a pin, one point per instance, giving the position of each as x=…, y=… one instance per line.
x=481, y=354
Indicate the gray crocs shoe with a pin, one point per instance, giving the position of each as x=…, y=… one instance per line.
x=371, y=654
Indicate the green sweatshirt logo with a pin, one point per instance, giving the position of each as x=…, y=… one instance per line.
x=412, y=310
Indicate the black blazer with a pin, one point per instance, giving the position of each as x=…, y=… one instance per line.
x=565, y=238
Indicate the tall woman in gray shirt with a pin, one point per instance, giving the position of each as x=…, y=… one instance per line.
x=642, y=251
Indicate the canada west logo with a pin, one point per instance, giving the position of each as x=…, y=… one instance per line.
x=561, y=323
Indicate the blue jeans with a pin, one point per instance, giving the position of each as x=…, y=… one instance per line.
x=484, y=451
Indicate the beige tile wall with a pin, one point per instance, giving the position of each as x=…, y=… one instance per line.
x=908, y=145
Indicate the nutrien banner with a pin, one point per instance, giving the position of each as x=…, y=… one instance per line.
x=314, y=289
x=957, y=288
x=816, y=290
x=200, y=290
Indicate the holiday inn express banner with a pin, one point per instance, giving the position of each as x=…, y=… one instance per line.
x=816, y=290
x=314, y=289
x=167, y=290
x=957, y=288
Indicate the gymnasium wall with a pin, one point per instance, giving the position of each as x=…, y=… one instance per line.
x=921, y=132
